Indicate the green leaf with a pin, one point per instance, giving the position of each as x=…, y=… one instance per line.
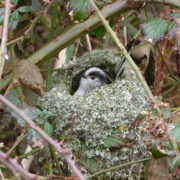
x=1, y=19
x=15, y=2
x=100, y=32
x=14, y=20
x=24, y=9
x=40, y=121
x=81, y=8
x=70, y=52
x=36, y=5
x=155, y=28
x=2, y=11
x=170, y=26
x=175, y=132
x=155, y=152
x=174, y=15
x=41, y=114
x=48, y=129
x=176, y=161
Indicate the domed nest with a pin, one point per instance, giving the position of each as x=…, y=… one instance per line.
x=96, y=126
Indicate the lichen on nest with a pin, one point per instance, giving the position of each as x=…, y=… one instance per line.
x=98, y=123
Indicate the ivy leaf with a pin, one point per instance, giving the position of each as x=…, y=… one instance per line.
x=48, y=129
x=24, y=9
x=14, y=20
x=81, y=8
x=155, y=28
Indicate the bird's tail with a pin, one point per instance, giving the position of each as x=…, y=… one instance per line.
x=122, y=64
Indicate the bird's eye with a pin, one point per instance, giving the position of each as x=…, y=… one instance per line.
x=92, y=77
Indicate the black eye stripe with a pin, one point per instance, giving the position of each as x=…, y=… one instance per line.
x=98, y=74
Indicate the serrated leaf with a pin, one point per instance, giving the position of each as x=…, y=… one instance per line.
x=15, y=2
x=155, y=28
x=40, y=121
x=48, y=128
x=36, y=6
x=176, y=161
x=40, y=112
x=175, y=132
x=30, y=75
x=171, y=25
x=174, y=15
x=14, y=20
x=24, y=9
x=81, y=8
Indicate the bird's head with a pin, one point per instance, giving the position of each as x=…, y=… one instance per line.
x=93, y=77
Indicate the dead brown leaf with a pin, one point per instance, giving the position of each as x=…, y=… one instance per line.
x=30, y=75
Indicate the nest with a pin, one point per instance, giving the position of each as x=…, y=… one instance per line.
x=96, y=126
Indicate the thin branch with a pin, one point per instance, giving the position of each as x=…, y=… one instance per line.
x=58, y=147
x=119, y=166
x=15, y=167
x=4, y=36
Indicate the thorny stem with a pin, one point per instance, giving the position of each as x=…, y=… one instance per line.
x=15, y=167
x=58, y=147
x=4, y=36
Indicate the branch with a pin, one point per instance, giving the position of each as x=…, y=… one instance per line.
x=175, y=3
x=56, y=145
x=119, y=166
x=4, y=36
x=15, y=167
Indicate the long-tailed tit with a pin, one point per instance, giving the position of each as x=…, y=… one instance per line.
x=92, y=78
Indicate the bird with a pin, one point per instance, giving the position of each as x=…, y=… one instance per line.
x=122, y=63
x=90, y=79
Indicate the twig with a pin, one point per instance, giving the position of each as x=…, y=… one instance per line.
x=168, y=69
x=168, y=2
x=56, y=160
x=19, y=139
x=58, y=147
x=33, y=151
x=4, y=36
x=88, y=42
x=15, y=75
x=15, y=167
x=119, y=166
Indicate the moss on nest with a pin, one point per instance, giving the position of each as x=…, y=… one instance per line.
x=100, y=120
